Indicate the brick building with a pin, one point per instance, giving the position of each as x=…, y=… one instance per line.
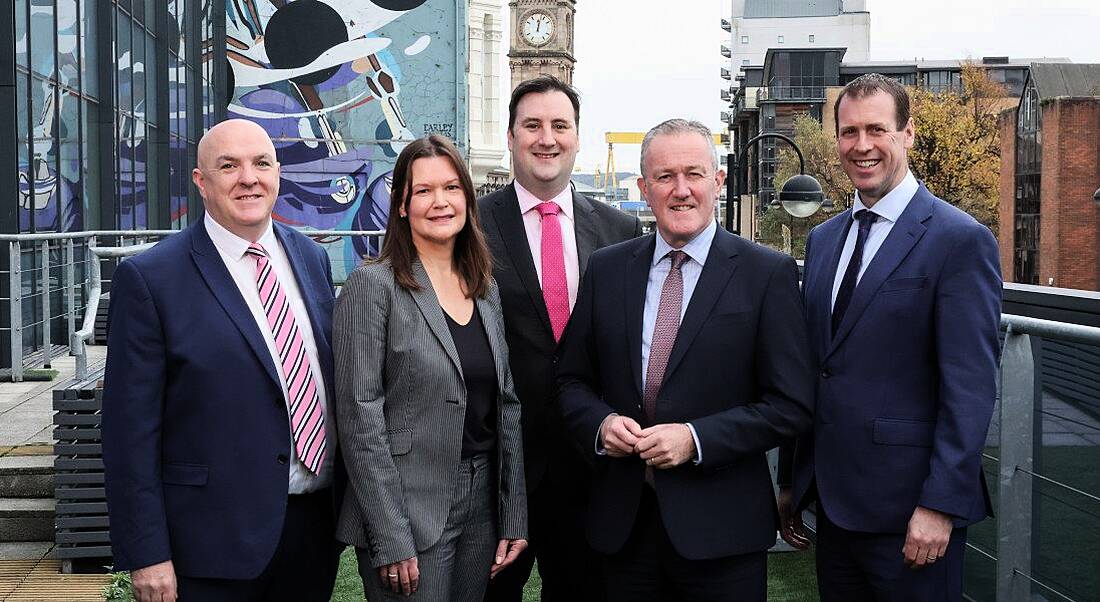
x=1050, y=170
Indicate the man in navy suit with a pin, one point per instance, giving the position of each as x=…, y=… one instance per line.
x=219, y=344
x=685, y=360
x=903, y=297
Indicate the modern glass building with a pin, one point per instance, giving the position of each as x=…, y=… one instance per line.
x=106, y=100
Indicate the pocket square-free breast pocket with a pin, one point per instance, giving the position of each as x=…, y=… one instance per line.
x=899, y=431
x=903, y=284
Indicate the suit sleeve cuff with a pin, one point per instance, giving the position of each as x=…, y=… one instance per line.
x=698, y=448
x=600, y=450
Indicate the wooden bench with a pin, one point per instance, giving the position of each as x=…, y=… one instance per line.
x=81, y=533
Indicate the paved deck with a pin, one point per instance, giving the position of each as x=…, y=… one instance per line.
x=41, y=580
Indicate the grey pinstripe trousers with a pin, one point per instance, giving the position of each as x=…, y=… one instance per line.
x=456, y=568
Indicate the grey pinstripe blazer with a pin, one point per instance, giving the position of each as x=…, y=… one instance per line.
x=400, y=406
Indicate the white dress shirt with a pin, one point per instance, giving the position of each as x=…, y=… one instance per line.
x=243, y=270
x=889, y=208
x=532, y=224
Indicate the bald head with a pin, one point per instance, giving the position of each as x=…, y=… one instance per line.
x=238, y=177
x=231, y=129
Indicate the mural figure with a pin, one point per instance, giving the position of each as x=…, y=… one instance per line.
x=323, y=81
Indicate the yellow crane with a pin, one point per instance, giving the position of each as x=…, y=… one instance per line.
x=609, y=180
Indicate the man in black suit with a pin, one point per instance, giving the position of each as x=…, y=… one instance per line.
x=538, y=270
x=686, y=359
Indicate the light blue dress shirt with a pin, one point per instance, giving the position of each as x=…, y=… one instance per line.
x=697, y=250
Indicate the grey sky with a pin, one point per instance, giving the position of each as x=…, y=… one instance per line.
x=642, y=61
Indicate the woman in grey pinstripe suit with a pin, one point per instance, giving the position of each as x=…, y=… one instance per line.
x=428, y=419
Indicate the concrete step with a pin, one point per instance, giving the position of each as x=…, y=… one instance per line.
x=26, y=550
x=26, y=519
x=26, y=476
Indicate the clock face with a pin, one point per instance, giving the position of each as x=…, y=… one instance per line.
x=537, y=28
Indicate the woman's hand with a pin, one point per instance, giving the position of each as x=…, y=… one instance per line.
x=401, y=577
x=507, y=552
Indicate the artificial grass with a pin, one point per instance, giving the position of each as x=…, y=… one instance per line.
x=790, y=579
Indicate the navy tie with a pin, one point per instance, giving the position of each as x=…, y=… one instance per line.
x=848, y=285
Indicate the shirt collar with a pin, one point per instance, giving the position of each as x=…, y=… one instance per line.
x=528, y=201
x=697, y=248
x=234, y=246
x=892, y=205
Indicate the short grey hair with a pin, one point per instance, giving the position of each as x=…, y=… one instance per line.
x=678, y=126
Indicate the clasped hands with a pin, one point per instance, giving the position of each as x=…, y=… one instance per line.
x=661, y=445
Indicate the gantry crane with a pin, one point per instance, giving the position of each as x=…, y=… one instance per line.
x=609, y=180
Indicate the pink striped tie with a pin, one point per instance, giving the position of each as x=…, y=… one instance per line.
x=307, y=417
x=555, y=289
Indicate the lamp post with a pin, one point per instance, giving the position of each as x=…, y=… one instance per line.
x=800, y=196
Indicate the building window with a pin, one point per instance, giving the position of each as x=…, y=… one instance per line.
x=1029, y=167
x=744, y=39
x=780, y=39
x=745, y=62
x=811, y=38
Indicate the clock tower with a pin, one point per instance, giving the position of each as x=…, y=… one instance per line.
x=542, y=39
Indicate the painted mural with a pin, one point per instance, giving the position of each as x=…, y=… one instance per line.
x=341, y=86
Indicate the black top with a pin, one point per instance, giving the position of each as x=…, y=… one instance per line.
x=479, y=433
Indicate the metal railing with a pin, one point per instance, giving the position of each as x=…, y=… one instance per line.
x=1017, y=439
x=55, y=279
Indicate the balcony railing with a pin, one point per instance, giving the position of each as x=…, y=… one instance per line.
x=790, y=93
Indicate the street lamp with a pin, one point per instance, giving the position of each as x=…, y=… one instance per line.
x=800, y=196
x=1096, y=195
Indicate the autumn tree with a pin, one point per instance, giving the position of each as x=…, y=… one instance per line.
x=957, y=148
x=818, y=148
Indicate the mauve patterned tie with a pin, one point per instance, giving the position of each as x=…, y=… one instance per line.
x=664, y=337
x=307, y=419
x=555, y=288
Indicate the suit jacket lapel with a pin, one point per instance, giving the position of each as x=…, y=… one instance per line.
x=637, y=277
x=428, y=303
x=308, y=289
x=584, y=228
x=902, y=238
x=212, y=269
x=833, y=239
x=514, y=235
x=496, y=344
x=720, y=266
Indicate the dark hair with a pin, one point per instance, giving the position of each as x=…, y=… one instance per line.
x=869, y=83
x=540, y=85
x=471, y=254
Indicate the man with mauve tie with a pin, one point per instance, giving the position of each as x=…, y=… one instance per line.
x=541, y=234
x=686, y=360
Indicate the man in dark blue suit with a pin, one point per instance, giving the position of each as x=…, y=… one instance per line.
x=685, y=360
x=219, y=446
x=903, y=297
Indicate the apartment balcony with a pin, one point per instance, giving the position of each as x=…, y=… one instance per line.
x=726, y=25
x=726, y=51
x=791, y=94
x=726, y=74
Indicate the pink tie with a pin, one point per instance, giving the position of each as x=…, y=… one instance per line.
x=307, y=419
x=555, y=289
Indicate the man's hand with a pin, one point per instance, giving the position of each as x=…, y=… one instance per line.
x=155, y=583
x=619, y=434
x=507, y=552
x=790, y=522
x=666, y=445
x=401, y=577
x=927, y=537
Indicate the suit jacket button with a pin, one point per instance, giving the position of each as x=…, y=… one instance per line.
x=826, y=373
x=281, y=458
